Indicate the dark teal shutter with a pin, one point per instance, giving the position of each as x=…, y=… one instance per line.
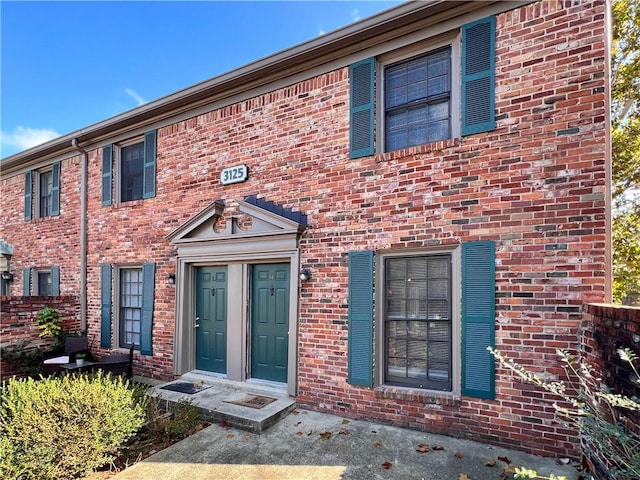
x=478, y=76
x=149, y=177
x=55, y=281
x=55, y=190
x=26, y=282
x=362, y=113
x=107, y=169
x=360, y=354
x=28, y=188
x=478, y=319
x=148, y=289
x=105, y=302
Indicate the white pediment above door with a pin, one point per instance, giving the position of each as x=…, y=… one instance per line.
x=240, y=219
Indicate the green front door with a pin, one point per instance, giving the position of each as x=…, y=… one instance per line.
x=211, y=322
x=270, y=321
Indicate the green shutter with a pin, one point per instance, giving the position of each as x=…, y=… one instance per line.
x=107, y=169
x=55, y=190
x=28, y=188
x=149, y=175
x=478, y=76
x=148, y=289
x=55, y=281
x=362, y=113
x=360, y=354
x=26, y=282
x=478, y=319
x=105, y=302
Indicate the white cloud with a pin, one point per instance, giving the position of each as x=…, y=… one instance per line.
x=23, y=137
x=321, y=32
x=355, y=16
x=133, y=94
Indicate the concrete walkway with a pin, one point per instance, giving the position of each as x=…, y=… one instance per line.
x=309, y=445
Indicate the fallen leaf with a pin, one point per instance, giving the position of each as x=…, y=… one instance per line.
x=230, y=436
x=325, y=435
x=296, y=424
x=509, y=469
x=505, y=460
x=345, y=421
x=490, y=463
x=299, y=434
x=422, y=448
x=247, y=436
x=387, y=465
x=295, y=412
x=458, y=455
x=224, y=424
x=437, y=447
x=344, y=431
x=309, y=432
x=377, y=444
x=373, y=431
x=463, y=476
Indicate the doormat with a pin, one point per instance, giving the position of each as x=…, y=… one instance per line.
x=252, y=401
x=186, y=387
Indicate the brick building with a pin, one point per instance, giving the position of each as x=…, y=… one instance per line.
x=353, y=219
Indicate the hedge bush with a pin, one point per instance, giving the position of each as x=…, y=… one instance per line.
x=65, y=427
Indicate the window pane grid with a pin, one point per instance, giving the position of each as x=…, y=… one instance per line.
x=46, y=194
x=418, y=321
x=417, y=100
x=130, y=306
x=132, y=169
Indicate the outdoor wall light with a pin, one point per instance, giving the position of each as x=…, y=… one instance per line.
x=305, y=274
x=636, y=338
x=7, y=276
x=171, y=279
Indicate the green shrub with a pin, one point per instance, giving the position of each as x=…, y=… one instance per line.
x=64, y=427
x=48, y=322
x=182, y=419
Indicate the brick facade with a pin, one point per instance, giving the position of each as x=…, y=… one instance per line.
x=536, y=186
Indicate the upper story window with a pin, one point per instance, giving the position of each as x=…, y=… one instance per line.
x=417, y=100
x=425, y=92
x=129, y=170
x=42, y=192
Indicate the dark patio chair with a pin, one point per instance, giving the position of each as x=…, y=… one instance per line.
x=72, y=345
x=117, y=363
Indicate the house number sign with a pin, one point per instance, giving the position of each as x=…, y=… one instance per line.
x=236, y=174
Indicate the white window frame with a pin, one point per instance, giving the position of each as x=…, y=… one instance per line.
x=452, y=40
x=118, y=269
x=36, y=191
x=456, y=315
x=117, y=166
x=35, y=280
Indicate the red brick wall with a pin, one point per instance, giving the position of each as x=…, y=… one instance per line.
x=535, y=186
x=18, y=324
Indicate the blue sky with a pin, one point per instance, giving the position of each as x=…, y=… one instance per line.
x=67, y=65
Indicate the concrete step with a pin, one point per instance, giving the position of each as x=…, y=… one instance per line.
x=214, y=397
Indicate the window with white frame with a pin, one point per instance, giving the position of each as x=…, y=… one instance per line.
x=417, y=100
x=418, y=321
x=131, y=172
x=42, y=283
x=130, y=311
x=45, y=193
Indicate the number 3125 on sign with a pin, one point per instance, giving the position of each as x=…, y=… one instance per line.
x=236, y=174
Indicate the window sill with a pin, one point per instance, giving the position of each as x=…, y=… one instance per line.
x=430, y=397
x=418, y=149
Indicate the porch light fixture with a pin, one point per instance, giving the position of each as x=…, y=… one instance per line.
x=7, y=276
x=171, y=279
x=305, y=274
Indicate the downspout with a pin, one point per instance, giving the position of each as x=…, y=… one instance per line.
x=83, y=234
